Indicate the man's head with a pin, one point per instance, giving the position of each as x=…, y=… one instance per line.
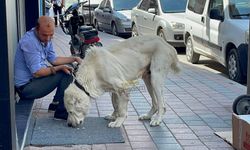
x=45, y=28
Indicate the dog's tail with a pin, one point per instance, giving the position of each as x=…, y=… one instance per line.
x=174, y=66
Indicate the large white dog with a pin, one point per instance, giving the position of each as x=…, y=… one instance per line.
x=114, y=69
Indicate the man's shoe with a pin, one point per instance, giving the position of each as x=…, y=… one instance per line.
x=53, y=106
x=61, y=115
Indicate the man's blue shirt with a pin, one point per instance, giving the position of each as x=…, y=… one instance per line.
x=31, y=56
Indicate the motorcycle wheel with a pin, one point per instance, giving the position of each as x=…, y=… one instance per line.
x=83, y=49
x=72, y=50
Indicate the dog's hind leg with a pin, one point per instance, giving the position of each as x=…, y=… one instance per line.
x=114, y=115
x=122, y=103
x=147, y=80
x=159, y=70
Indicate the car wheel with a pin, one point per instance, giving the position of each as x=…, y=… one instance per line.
x=96, y=25
x=233, y=66
x=161, y=34
x=134, y=30
x=192, y=56
x=114, y=29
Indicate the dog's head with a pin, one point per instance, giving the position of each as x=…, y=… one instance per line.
x=77, y=104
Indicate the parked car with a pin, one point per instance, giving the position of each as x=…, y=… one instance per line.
x=160, y=17
x=219, y=29
x=114, y=16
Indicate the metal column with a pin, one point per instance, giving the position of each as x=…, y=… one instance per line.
x=7, y=102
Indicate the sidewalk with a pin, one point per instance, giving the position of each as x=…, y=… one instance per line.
x=198, y=104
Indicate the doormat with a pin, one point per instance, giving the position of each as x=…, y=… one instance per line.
x=94, y=130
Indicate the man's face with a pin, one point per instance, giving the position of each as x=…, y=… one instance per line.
x=45, y=33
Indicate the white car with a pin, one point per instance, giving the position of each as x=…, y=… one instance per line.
x=160, y=17
x=219, y=29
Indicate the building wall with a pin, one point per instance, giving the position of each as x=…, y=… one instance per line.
x=15, y=18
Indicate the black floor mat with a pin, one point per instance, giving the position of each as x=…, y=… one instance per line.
x=48, y=131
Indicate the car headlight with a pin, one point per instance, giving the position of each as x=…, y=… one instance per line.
x=247, y=36
x=177, y=25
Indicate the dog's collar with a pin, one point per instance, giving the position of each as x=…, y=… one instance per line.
x=81, y=87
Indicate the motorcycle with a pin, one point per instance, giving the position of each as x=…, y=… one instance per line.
x=82, y=36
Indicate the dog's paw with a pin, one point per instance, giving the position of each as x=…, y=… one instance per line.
x=144, y=117
x=117, y=123
x=110, y=117
x=155, y=121
x=114, y=124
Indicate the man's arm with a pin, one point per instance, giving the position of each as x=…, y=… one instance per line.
x=58, y=65
x=66, y=60
x=52, y=70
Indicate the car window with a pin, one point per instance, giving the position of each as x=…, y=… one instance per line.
x=144, y=5
x=102, y=4
x=153, y=4
x=108, y=5
x=238, y=9
x=196, y=6
x=170, y=6
x=216, y=4
x=124, y=4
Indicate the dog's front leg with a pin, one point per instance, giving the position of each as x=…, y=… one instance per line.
x=114, y=115
x=122, y=103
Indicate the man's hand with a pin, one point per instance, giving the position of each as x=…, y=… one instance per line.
x=78, y=60
x=66, y=69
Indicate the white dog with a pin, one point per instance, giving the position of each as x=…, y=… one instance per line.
x=114, y=69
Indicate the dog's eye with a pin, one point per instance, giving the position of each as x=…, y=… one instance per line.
x=70, y=112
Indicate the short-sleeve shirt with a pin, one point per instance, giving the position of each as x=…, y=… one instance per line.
x=31, y=56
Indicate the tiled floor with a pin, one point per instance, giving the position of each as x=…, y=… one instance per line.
x=198, y=104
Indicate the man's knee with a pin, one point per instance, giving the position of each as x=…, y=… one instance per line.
x=68, y=78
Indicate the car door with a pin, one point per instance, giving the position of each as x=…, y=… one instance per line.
x=107, y=15
x=148, y=21
x=195, y=21
x=98, y=13
x=211, y=35
x=139, y=14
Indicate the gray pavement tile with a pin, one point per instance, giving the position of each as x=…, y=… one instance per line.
x=169, y=147
x=99, y=147
x=195, y=148
x=167, y=140
x=190, y=143
x=217, y=144
x=160, y=134
x=139, y=138
x=182, y=131
x=210, y=138
x=185, y=136
x=143, y=144
x=195, y=123
x=173, y=121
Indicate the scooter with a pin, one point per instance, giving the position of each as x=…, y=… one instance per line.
x=82, y=36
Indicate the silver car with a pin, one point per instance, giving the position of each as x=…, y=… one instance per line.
x=114, y=16
x=164, y=18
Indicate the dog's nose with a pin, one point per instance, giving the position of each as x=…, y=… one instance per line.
x=69, y=124
x=80, y=122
